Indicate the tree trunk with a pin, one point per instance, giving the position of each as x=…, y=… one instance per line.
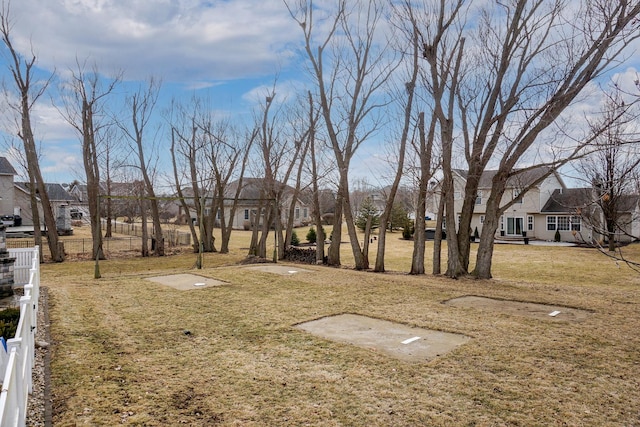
x=145, y=229
x=336, y=234
x=437, y=239
x=491, y=222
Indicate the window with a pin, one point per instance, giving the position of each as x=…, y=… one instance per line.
x=529, y=223
x=218, y=214
x=576, y=223
x=457, y=195
x=517, y=197
x=479, y=197
x=551, y=223
x=481, y=219
x=563, y=223
x=297, y=213
x=305, y=213
x=502, y=223
x=246, y=214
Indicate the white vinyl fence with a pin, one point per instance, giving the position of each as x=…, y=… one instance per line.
x=18, y=360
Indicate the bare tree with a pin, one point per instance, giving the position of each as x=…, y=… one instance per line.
x=141, y=105
x=602, y=32
x=441, y=32
x=612, y=171
x=227, y=152
x=22, y=72
x=86, y=93
x=188, y=153
x=350, y=69
x=315, y=179
x=407, y=97
x=528, y=61
x=279, y=153
x=424, y=150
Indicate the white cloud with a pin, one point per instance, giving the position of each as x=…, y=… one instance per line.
x=180, y=40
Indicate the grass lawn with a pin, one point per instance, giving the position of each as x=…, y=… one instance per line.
x=120, y=353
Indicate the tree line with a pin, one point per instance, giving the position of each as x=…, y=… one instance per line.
x=447, y=84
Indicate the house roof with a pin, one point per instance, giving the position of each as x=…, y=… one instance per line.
x=520, y=179
x=56, y=192
x=6, y=168
x=570, y=199
x=252, y=189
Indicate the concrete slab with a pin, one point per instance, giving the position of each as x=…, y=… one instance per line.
x=393, y=339
x=521, y=308
x=186, y=281
x=283, y=270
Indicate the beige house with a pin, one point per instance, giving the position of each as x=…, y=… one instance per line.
x=524, y=216
x=575, y=213
x=7, y=195
x=250, y=197
x=547, y=207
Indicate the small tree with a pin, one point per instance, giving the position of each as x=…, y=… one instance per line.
x=398, y=218
x=407, y=231
x=311, y=235
x=557, y=236
x=368, y=214
x=295, y=241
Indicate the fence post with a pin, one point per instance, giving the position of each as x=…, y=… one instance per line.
x=27, y=346
x=17, y=395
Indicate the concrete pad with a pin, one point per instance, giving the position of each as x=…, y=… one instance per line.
x=520, y=308
x=283, y=270
x=186, y=281
x=393, y=339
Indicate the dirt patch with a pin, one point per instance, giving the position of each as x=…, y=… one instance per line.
x=186, y=281
x=283, y=270
x=555, y=313
x=393, y=339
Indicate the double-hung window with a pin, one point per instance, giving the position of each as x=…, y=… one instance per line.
x=551, y=223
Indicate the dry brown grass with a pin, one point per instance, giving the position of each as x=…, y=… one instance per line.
x=121, y=355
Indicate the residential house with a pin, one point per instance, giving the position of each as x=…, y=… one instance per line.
x=59, y=199
x=524, y=215
x=574, y=213
x=250, y=197
x=7, y=197
x=547, y=207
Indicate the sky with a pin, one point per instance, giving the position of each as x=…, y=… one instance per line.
x=230, y=50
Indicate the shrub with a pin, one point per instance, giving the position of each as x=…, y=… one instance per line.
x=408, y=230
x=311, y=235
x=476, y=235
x=557, y=236
x=294, y=239
x=9, y=322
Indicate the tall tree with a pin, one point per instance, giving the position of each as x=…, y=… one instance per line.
x=86, y=93
x=28, y=93
x=612, y=169
x=407, y=94
x=350, y=67
x=523, y=64
x=141, y=105
x=531, y=78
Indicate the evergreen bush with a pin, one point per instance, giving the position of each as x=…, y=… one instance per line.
x=311, y=235
x=294, y=239
x=557, y=236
